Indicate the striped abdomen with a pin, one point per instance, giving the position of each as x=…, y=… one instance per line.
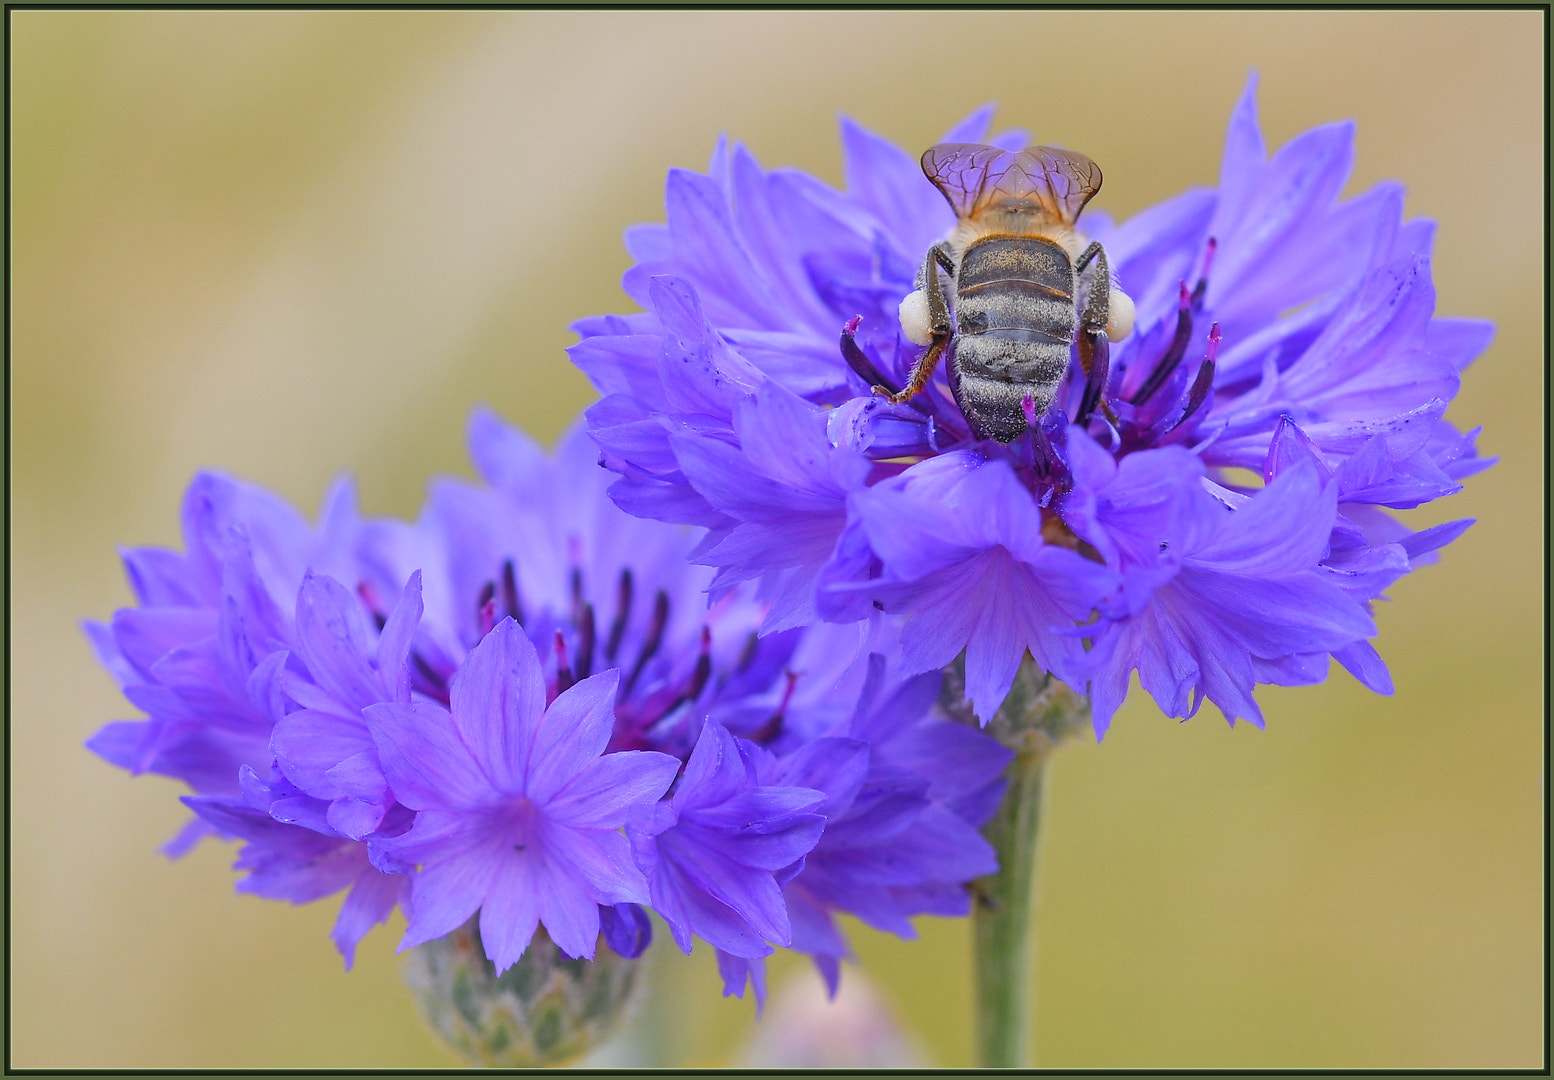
x=1015, y=324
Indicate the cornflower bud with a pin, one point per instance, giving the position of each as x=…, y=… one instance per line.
x=547, y=1009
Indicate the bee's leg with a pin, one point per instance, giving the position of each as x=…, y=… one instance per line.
x=939, y=327
x=1094, y=349
x=922, y=371
x=1095, y=362
x=1106, y=303
x=941, y=255
x=1096, y=313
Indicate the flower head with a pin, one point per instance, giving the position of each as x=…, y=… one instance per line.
x=1204, y=502
x=521, y=708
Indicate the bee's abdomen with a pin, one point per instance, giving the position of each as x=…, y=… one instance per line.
x=1014, y=313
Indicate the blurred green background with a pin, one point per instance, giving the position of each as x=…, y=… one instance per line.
x=287, y=244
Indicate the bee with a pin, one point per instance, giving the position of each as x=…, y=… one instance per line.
x=1008, y=316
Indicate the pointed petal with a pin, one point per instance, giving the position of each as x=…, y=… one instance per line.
x=572, y=733
x=497, y=698
x=425, y=761
x=370, y=902
x=611, y=789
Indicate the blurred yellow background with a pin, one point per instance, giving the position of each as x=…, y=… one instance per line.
x=287, y=244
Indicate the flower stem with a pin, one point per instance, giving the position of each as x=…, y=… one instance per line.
x=1001, y=922
x=1037, y=715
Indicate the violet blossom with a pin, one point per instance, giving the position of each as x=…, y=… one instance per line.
x=523, y=706
x=1214, y=514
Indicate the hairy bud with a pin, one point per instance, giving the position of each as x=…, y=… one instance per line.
x=547, y=1009
x=1038, y=713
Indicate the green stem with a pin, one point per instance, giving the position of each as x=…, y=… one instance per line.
x=1001, y=921
x=1039, y=713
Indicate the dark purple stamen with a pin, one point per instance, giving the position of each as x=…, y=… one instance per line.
x=585, y=642
x=485, y=609
x=655, y=636
x=747, y=654
x=773, y=726
x=1204, y=382
x=699, y=676
x=577, y=594
x=427, y=680
x=1174, y=353
x=374, y=604
x=1049, y=462
x=564, y=677
x=856, y=359
x=622, y=614
x=510, y=602
x=703, y=669
x=1203, y=279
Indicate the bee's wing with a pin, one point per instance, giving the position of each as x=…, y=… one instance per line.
x=963, y=173
x=1041, y=179
x=1061, y=180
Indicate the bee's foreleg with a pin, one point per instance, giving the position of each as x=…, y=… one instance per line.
x=939, y=326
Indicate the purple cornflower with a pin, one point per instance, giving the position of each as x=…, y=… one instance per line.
x=546, y=724
x=1205, y=503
